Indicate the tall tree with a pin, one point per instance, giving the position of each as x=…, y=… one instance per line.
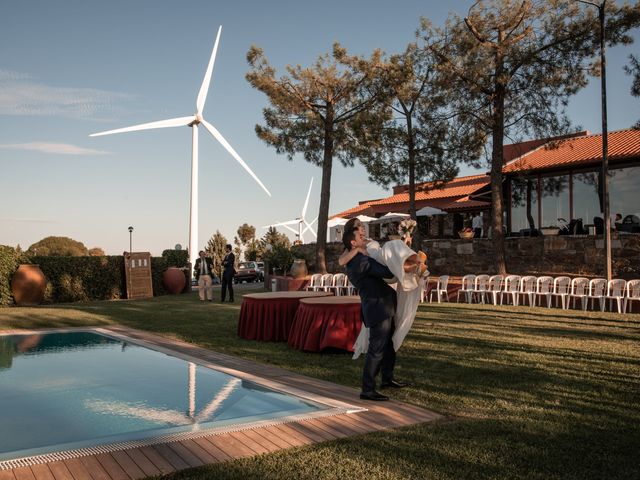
x=512, y=66
x=634, y=69
x=274, y=238
x=216, y=249
x=320, y=112
x=421, y=140
x=58, y=247
x=246, y=234
x=96, y=252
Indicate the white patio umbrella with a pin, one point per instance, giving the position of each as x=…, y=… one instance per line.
x=429, y=212
x=336, y=222
x=391, y=217
x=365, y=218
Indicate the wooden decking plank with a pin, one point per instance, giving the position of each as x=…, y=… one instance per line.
x=78, y=470
x=255, y=447
x=111, y=466
x=128, y=465
x=312, y=431
x=212, y=449
x=41, y=472
x=59, y=470
x=94, y=468
x=342, y=423
x=274, y=436
x=296, y=438
x=23, y=473
x=143, y=462
x=259, y=439
x=362, y=427
x=171, y=456
x=158, y=460
x=329, y=428
x=7, y=475
x=186, y=454
x=200, y=452
x=231, y=446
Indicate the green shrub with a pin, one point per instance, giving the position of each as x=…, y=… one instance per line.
x=9, y=260
x=279, y=258
x=176, y=258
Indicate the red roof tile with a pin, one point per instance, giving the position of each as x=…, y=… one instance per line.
x=623, y=144
x=455, y=188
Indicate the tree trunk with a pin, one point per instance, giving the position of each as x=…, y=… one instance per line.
x=497, y=162
x=325, y=195
x=416, y=241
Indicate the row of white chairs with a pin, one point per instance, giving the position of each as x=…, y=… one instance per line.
x=338, y=283
x=562, y=289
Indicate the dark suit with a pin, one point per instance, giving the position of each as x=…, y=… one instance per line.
x=378, y=302
x=228, y=265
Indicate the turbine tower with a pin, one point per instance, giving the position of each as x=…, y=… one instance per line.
x=300, y=221
x=193, y=122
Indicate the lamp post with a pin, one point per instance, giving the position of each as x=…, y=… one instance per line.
x=605, y=137
x=130, y=239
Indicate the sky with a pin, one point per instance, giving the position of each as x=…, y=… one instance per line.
x=76, y=67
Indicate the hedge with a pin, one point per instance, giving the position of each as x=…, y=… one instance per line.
x=9, y=260
x=76, y=279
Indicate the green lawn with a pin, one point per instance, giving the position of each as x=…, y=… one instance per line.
x=531, y=393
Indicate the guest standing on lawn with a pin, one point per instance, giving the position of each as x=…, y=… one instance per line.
x=229, y=270
x=203, y=271
x=379, y=304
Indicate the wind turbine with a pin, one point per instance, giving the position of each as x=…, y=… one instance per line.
x=193, y=122
x=300, y=221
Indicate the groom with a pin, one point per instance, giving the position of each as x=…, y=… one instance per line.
x=379, y=303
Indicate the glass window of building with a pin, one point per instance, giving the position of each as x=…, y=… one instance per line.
x=524, y=204
x=586, y=196
x=555, y=200
x=624, y=194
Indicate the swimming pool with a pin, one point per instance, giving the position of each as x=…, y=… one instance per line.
x=87, y=391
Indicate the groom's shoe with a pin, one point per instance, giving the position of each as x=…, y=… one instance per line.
x=375, y=396
x=394, y=384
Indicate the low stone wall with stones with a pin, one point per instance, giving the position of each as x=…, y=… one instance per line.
x=553, y=255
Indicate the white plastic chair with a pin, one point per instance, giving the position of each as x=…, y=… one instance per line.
x=441, y=289
x=561, y=290
x=597, y=291
x=632, y=294
x=480, y=287
x=544, y=288
x=527, y=288
x=579, y=289
x=326, y=282
x=351, y=290
x=423, y=293
x=315, y=283
x=467, y=287
x=511, y=287
x=495, y=287
x=616, y=291
x=337, y=284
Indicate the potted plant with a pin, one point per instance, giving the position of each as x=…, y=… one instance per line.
x=549, y=231
x=466, y=233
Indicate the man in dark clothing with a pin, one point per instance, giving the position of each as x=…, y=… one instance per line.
x=229, y=270
x=379, y=302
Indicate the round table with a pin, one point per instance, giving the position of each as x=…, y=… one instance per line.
x=329, y=322
x=268, y=316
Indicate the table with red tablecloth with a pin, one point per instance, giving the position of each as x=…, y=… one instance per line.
x=268, y=316
x=326, y=322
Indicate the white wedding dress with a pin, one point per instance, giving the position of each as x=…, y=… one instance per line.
x=408, y=286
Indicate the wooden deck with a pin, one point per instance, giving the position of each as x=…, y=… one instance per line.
x=169, y=457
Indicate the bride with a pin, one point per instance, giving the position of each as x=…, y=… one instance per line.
x=410, y=273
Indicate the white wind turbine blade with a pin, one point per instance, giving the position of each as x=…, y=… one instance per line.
x=204, y=88
x=306, y=202
x=309, y=227
x=282, y=224
x=218, y=136
x=172, y=122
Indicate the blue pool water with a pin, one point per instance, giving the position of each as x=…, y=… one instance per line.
x=63, y=391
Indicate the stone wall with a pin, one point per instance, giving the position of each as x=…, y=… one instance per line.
x=552, y=255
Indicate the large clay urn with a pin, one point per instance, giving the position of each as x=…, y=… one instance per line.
x=173, y=280
x=299, y=268
x=28, y=285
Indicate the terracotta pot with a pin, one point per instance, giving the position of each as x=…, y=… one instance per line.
x=298, y=269
x=173, y=280
x=28, y=285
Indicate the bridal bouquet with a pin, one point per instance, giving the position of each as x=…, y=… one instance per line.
x=406, y=227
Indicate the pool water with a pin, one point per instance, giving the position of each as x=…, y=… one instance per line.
x=65, y=391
